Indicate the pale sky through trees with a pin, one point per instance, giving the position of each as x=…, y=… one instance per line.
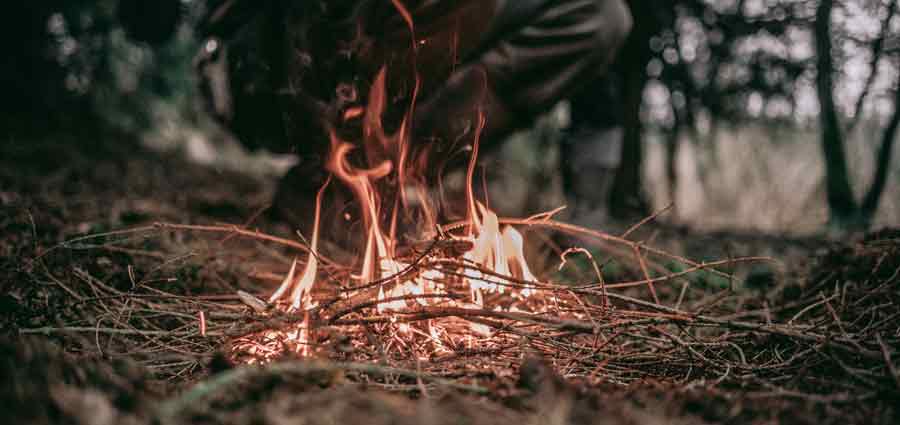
x=856, y=25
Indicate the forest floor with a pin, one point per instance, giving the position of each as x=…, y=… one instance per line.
x=823, y=345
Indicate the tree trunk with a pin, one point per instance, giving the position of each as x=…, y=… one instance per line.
x=841, y=203
x=883, y=160
x=626, y=196
x=672, y=144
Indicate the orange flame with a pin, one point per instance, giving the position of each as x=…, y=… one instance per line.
x=302, y=286
x=301, y=295
x=388, y=161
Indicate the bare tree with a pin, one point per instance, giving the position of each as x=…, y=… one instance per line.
x=845, y=211
x=715, y=79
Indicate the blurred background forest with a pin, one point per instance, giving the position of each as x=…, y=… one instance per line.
x=754, y=115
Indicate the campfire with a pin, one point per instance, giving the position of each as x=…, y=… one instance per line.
x=474, y=265
x=462, y=287
x=449, y=297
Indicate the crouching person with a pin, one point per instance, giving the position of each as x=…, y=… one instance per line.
x=282, y=74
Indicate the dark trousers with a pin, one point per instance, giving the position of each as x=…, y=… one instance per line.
x=510, y=59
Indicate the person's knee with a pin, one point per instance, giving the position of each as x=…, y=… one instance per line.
x=610, y=26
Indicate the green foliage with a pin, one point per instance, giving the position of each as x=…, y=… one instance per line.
x=84, y=72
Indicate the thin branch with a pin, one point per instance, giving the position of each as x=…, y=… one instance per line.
x=877, y=51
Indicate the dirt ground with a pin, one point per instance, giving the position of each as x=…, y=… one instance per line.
x=50, y=194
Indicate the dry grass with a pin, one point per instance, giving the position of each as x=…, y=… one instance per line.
x=765, y=179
